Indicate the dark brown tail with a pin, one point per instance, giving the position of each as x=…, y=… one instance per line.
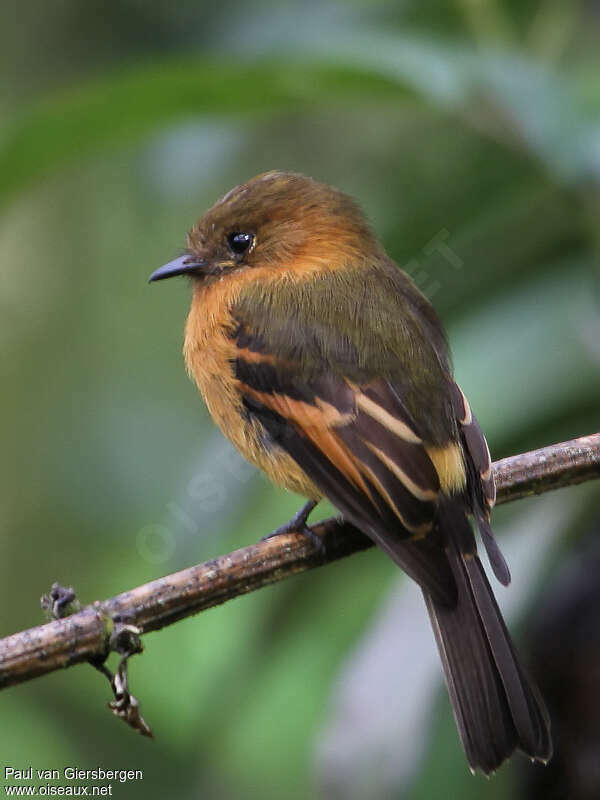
x=496, y=706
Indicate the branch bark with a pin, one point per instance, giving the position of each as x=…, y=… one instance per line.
x=86, y=635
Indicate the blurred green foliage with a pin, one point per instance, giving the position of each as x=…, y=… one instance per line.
x=470, y=131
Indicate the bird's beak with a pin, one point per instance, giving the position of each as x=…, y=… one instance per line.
x=183, y=265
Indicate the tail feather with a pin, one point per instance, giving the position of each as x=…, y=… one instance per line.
x=496, y=706
x=494, y=554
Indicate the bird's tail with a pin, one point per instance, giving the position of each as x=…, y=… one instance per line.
x=496, y=706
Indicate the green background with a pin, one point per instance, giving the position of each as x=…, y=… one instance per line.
x=470, y=132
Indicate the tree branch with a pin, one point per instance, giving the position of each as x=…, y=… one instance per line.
x=86, y=635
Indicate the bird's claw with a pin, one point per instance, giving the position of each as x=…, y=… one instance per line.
x=297, y=524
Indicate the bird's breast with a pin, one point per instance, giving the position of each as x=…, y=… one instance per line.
x=210, y=351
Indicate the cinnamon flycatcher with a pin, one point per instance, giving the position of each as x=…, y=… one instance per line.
x=326, y=366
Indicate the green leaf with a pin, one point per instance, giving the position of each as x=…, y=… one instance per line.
x=123, y=107
x=501, y=92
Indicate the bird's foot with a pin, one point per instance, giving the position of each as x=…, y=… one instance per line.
x=297, y=524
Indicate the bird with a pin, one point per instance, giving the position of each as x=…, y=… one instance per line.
x=327, y=367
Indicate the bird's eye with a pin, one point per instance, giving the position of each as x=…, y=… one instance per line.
x=239, y=242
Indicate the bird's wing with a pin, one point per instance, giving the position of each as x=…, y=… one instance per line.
x=360, y=446
x=480, y=483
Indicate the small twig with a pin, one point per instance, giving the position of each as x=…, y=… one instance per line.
x=125, y=640
x=85, y=636
x=61, y=601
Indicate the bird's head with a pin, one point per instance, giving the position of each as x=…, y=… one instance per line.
x=277, y=221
